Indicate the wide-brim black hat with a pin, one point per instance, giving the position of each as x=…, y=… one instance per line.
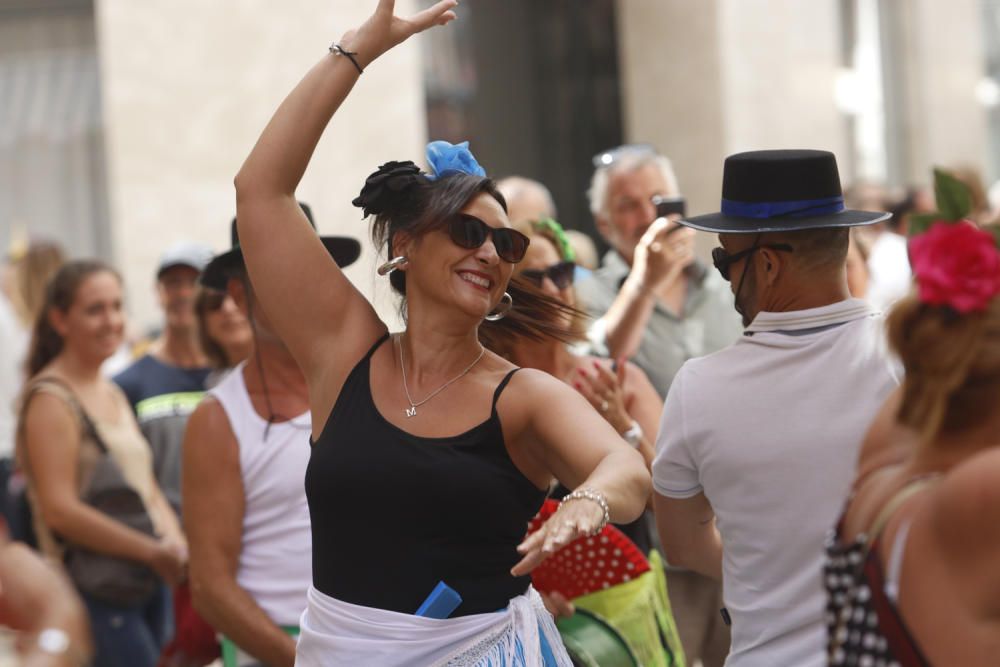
x=344, y=250
x=781, y=191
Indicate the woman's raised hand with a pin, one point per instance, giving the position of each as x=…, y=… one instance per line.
x=383, y=30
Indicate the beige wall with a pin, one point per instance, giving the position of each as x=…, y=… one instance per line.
x=188, y=85
x=941, y=62
x=706, y=79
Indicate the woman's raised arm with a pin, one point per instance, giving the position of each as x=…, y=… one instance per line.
x=307, y=298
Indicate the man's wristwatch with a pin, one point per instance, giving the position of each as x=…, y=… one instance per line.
x=633, y=435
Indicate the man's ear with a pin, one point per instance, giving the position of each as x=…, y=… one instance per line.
x=772, y=264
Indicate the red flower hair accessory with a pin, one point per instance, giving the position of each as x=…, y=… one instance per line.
x=955, y=262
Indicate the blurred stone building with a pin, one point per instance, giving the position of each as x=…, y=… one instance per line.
x=123, y=122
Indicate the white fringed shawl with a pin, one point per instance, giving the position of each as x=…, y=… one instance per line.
x=335, y=633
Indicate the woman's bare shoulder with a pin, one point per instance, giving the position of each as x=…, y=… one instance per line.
x=965, y=506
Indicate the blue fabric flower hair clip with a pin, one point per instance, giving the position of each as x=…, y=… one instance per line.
x=446, y=158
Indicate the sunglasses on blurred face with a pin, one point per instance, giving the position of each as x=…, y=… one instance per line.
x=470, y=232
x=214, y=300
x=560, y=274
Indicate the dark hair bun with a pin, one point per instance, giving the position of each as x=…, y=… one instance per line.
x=383, y=188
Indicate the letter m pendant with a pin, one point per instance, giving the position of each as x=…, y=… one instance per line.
x=411, y=411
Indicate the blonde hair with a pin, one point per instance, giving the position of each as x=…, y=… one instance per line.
x=952, y=365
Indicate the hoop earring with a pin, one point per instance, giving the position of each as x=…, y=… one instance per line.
x=392, y=265
x=506, y=303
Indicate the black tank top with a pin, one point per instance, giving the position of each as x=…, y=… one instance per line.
x=394, y=513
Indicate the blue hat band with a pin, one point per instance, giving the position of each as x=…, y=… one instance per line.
x=783, y=209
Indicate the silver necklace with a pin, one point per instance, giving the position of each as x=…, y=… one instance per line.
x=412, y=410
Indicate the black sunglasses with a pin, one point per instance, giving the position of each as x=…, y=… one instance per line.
x=213, y=300
x=560, y=274
x=469, y=232
x=723, y=260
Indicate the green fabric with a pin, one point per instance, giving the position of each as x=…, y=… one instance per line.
x=554, y=228
x=592, y=642
x=184, y=402
x=230, y=652
x=640, y=611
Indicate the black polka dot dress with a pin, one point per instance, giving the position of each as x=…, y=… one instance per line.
x=864, y=627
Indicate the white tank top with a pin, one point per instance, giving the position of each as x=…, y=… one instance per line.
x=275, y=565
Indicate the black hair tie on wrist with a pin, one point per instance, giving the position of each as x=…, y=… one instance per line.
x=337, y=48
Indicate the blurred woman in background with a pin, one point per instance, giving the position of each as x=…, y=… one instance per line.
x=68, y=409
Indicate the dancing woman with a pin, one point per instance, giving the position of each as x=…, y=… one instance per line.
x=430, y=454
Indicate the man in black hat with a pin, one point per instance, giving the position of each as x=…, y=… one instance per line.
x=758, y=441
x=656, y=305
x=245, y=510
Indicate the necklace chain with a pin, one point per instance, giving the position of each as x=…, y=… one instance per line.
x=412, y=410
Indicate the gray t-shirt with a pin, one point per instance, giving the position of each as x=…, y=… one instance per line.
x=708, y=323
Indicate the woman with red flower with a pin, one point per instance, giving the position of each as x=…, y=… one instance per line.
x=911, y=569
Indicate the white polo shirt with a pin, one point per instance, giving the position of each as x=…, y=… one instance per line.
x=769, y=429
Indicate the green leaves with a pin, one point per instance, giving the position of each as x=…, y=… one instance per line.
x=953, y=200
x=921, y=222
x=952, y=196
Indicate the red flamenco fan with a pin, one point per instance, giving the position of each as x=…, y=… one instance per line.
x=587, y=564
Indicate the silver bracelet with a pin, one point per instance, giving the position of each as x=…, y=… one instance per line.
x=587, y=493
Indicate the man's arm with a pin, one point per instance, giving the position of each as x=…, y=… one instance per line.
x=685, y=519
x=661, y=256
x=688, y=533
x=213, y=507
x=626, y=319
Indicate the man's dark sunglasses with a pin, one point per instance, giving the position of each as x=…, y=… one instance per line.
x=723, y=260
x=469, y=232
x=560, y=274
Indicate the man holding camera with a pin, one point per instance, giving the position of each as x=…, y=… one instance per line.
x=655, y=303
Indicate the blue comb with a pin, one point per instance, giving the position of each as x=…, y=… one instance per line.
x=440, y=603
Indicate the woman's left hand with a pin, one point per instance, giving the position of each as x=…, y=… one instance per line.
x=579, y=517
x=606, y=392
